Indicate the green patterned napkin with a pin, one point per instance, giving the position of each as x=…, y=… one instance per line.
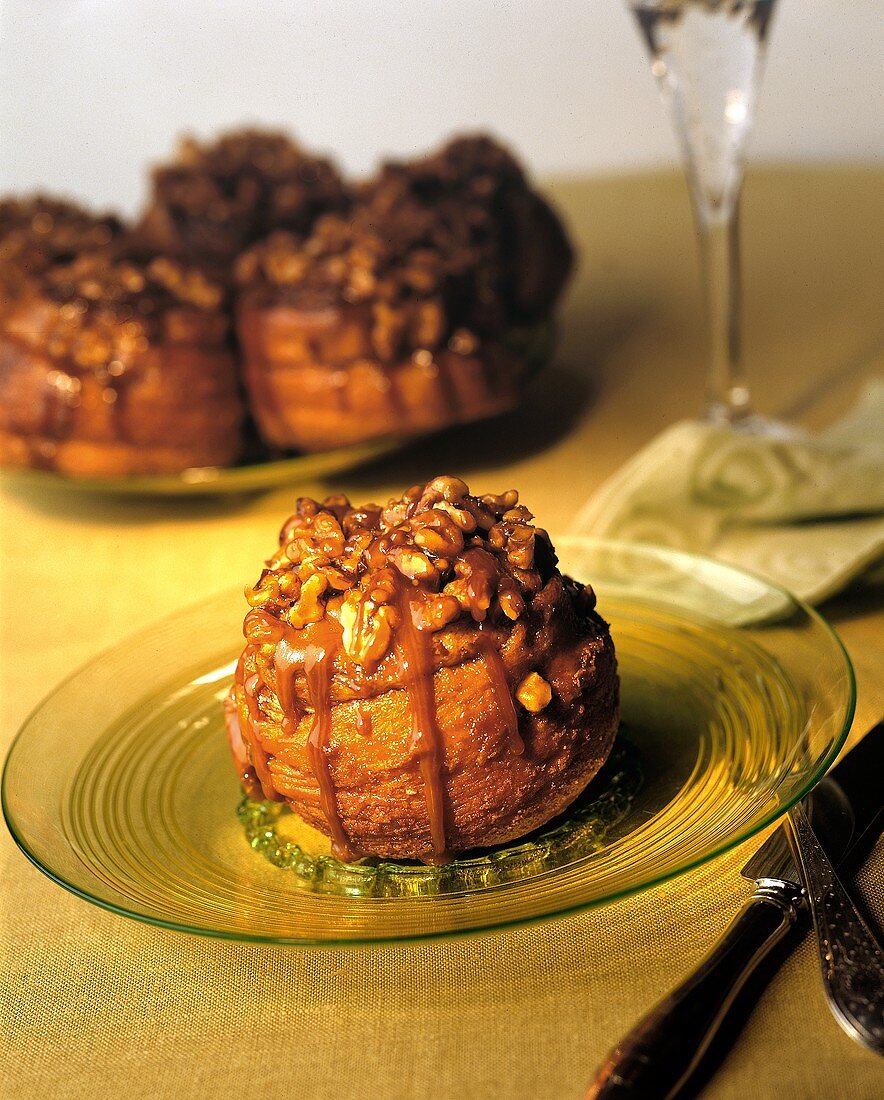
x=806, y=512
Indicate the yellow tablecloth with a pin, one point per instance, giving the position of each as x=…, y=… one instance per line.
x=95, y=1004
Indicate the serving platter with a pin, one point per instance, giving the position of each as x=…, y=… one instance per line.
x=736, y=698
x=199, y=481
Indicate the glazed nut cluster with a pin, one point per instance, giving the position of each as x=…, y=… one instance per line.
x=437, y=553
x=409, y=232
x=37, y=233
x=98, y=278
x=425, y=246
x=405, y=301
x=261, y=178
x=108, y=309
x=53, y=228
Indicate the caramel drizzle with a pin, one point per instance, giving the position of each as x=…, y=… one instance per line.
x=341, y=384
x=258, y=370
x=318, y=666
x=426, y=739
x=491, y=382
x=415, y=654
x=285, y=662
x=323, y=640
x=501, y=690
x=248, y=729
x=390, y=387
x=61, y=396
x=115, y=394
x=247, y=777
x=364, y=724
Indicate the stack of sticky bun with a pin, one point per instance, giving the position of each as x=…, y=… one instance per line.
x=420, y=679
x=259, y=293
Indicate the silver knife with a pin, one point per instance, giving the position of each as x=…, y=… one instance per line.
x=660, y=1054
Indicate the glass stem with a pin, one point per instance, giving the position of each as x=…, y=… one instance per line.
x=719, y=234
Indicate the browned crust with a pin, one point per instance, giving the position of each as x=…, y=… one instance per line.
x=174, y=404
x=315, y=380
x=493, y=794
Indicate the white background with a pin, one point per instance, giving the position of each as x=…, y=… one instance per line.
x=92, y=90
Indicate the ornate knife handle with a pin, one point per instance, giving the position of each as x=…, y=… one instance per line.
x=661, y=1052
x=851, y=959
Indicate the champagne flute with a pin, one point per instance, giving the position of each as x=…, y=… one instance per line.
x=707, y=56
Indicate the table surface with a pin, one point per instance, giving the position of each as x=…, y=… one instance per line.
x=95, y=1003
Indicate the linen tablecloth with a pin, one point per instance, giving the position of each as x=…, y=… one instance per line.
x=94, y=1004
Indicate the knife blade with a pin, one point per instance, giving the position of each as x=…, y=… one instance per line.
x=843, y=807
x=660, y=1054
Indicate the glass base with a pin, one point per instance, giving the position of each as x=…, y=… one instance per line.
x=746, y=422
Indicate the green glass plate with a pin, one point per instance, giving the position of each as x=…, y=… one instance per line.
x=736, y=696
x=201, y=481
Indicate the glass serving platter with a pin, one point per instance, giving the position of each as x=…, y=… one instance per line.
x=736, y=698
x=199, y=481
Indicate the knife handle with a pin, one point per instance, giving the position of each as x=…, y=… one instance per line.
x=656, y=1058
x=851, y=959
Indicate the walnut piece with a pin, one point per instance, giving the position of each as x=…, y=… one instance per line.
x=367, y=628
x=308, y=609
x=534, y=693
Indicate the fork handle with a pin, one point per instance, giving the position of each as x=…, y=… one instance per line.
x=656, y=1058
x=851, y=959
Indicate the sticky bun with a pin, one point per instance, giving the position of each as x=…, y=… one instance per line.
x=112, y=366
x=214, y=200
x=396, y=316
x=420, y=679
x=413, y=301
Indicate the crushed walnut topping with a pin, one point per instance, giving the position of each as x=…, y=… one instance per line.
x=126, y=283
x=107, y=310
x=221, y=197
x=435, y=248
x=38, y=233
x=468, y=557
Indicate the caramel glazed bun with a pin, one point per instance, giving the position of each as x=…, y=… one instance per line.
x=109, y=365
x=420, y=679
x=392, y=316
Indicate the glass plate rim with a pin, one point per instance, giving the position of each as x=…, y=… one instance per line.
x=199, y=481
x=652, y=881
